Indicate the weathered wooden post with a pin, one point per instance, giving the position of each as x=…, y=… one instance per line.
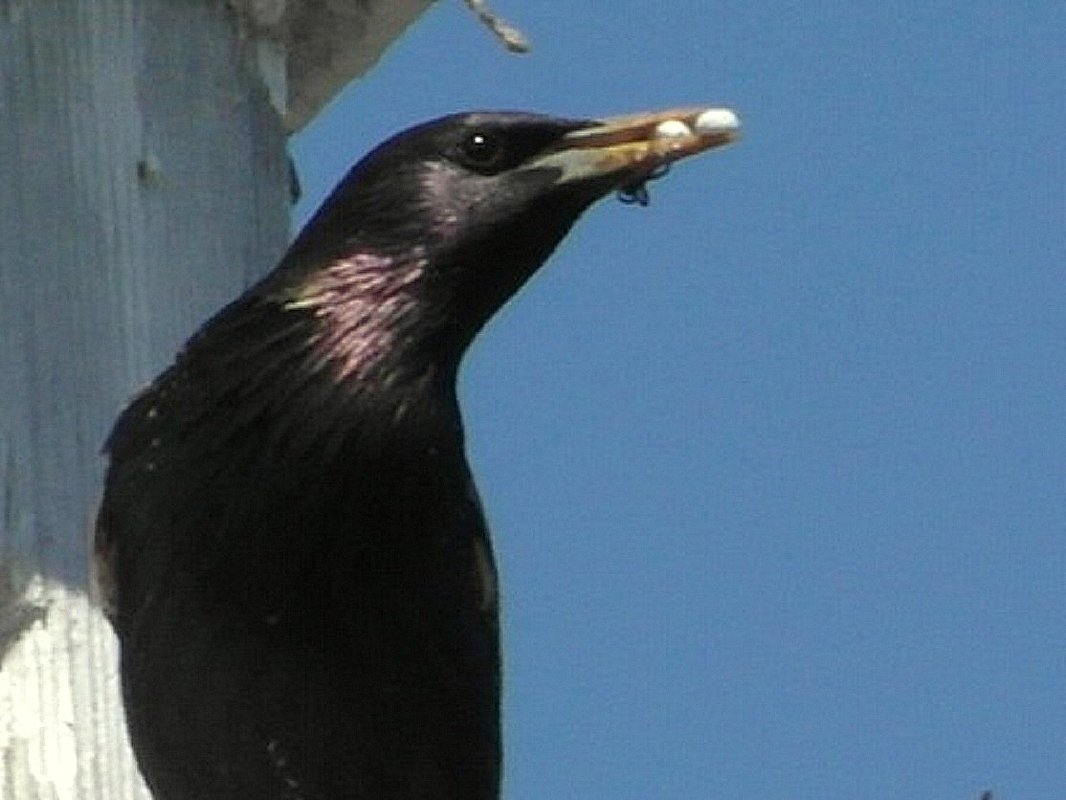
x=143, y=180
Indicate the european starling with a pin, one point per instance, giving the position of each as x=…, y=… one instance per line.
x=290, y=545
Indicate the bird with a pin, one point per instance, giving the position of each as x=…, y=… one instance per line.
x=290, y=545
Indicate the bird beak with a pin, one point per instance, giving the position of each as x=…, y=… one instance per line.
x=634, y=147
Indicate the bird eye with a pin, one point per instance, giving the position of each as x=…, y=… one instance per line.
x=482, y=150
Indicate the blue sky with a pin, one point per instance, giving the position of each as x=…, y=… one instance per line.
x=776, y=467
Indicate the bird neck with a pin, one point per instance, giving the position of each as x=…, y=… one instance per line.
x=325, y=358
x=375, y=330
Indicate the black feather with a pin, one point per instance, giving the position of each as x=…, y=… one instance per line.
x=298, y=567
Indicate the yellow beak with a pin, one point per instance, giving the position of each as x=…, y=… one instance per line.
x=635, y=146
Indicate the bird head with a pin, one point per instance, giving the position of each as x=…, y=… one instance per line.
x=465, y=208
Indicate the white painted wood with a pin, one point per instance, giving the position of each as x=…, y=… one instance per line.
x=326, y=43
x=143, y=182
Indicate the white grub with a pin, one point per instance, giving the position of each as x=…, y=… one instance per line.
x=717, y=120
x=672, y=129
